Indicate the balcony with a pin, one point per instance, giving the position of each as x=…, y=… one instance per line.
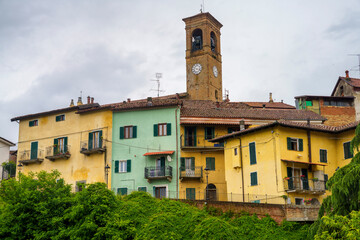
x=198, y=143
x=27, y=157
x=304, y=185
x=93, y=147
x=154, y=173
x=196, y=173
x=58, y=152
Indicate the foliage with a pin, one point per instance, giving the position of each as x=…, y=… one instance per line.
x=9, y=167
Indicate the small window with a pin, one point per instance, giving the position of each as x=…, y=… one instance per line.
x=210, y=163
x=323, y=155
x=95, y=140
x=347, y=151
x=197, y=40
x=209, y=133
x=295, y=144
x=80, y=185
x=309, y=103
x=33, y=123
x=122, y=166
x=233, y=129
x=128, y=132
x=326, y=103
x=142, y=189
x=235, y=151
x=253, y=179
x=213, y=41
x=60, y=145
x=190, y=193
x=122, y=191
x=60, y=118
x=216, y=95
x=162, y=129
x=252, y=152
x=299, y=201
x=326, y=178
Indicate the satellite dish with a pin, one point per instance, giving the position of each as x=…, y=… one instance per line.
x=169, y=158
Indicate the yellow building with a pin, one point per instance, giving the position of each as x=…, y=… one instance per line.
x=71, y=140
x=271, y=161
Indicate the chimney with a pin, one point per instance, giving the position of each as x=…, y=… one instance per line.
x=88, y=100
x=270, y=98
x=308, y=121
x=79, y=102
x=282, y=101
x=128, y=100
x=227, y=98
x=72, y=103
x=242, y=125
x=92, y=100
x=149, y=101
x=347, y=73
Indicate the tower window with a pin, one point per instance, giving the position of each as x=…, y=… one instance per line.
x=197, y=41
x=216, y=95
x=213, y=41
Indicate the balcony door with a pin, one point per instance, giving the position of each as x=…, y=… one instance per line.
x=190, y=136
x=160, y=192
x=34, y=150
x=160, y=166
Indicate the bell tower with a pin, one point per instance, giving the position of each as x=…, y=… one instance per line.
x=203, y=57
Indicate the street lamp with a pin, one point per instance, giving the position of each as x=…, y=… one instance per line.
x=207, y=182
x=20, y=165
x=107, y=168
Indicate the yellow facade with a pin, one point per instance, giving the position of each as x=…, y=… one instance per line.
x=273, y=158
x=74, y=166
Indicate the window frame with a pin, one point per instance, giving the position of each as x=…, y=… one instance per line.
x=235, y=151
x=118, y=191
x=34, y=123
x=211, y=135
x=257, y=181
x=60, y=118
x=351, y=155
x=326, y=158
x=255, y=159
x=211, y=164
x=299, y=147
x=142, y=190
x=162, y=129
x=128, y=132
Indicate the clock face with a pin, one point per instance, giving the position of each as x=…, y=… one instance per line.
x=196, y=69
x=215, y=71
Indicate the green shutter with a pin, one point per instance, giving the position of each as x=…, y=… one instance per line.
x=252, y=151
x=57, y=118
x=190, y=193
x=134, y=131
x=210, y=163
x=347, y=150
x=156, y=129
x=128, y=165
x=122, y=191
x=65, y=144
x=142, y=189
x=230, y=130
x=193, y=163
x=300, y=145
x=121, y=132
x=212, y=133
x=323, y=156
x=116, y=166
x=162, y=162
x=168, y=129
x=253, y=179
x=56, y=148
x=195, y=137
x=100, y=139
x=304, y=179
x=182, y=164
x=91, y=135
x=34, y=150
x=290, y=181
x=288, y=143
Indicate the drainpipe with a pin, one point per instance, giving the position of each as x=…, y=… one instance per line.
x=309, y=140
x=242, y=170
x=177, y=153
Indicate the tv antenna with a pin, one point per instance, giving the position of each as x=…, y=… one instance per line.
x=357, y=55
x=226, y=94
x=202, y=6
x=157, y=80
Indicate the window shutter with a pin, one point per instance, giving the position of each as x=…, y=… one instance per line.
x=121, y=132
x=34, y=148
x=205, y=130
x=100, y=139
x=229, y=130
x=116, y=166
x=305, y=180
x=289, y=143
x=300, y=145
x=253, y=178
x=90, y=141
x=156, y=129
x=55, y=148
x=195, y=137
x=289, y=175
x=182, y=164
x=252, y=151
x=31, y=123
x=190, y=193
x=128, y=165
x=213, y=163
x=134, y=132
x=192, y=163
x=208, y=163
x=142, y=189
x=212, y=133
x=57, y=118
x=168, y=129
x=65, y=144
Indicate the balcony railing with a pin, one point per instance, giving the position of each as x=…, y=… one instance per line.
x=92, y=147
x=152, y=173
x=196, y=173
x=58, y=152
x=304, y=185
x=199, y=142
x=28, y=156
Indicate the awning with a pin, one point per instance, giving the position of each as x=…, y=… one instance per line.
x=308, y=163
x=159, y=153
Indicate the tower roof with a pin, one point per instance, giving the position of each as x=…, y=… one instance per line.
x=203, y=15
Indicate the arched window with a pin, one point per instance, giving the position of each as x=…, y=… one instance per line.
x=197, y=40
x=211, y=192
x=213, y=41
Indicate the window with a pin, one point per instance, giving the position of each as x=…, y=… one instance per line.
x=196, y=40
x=33, y=123
x=190, y=136
x=142, y=189
x=127, y=132
x=122, y=166
x=60, y=118
x=299, y=201
x=212, y=41
x=209, y=133
x=187, y=163
x=233, y=129
x=323, y=155
x=235, y=151
x=295, y=144
x=210, y=163
x=122, y=191
x=309, y=103
x=253, y=179
x=347, y=151
x=95, y=140
x=80, y=185
x=326, y=178
x=60, y=145
x=34, y=150
x=190, y=193
x=162, y=129
x=252, y=152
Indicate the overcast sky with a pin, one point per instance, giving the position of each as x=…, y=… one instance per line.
x=52, y=50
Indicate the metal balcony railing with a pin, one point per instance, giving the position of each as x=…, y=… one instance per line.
x=197, y=172
x=302, y=184
x=96, y=146
x=57, y=152
x=158, y=172
x=29, y=156
x=198, y=141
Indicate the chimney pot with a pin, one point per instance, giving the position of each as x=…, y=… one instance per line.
x=242, y=125
x=128, y=100
x=79, y=102
x=149, y=101
x=270, y=98
x=88, y=100
x=92, y=100
x=347, y=73
x=72, y=103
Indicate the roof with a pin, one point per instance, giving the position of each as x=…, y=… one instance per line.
x=145, y=104
x=159, y=153
x=304, y=126
x=7, y=142
x=354, y=82
x=269, y=105
x=326, y=97
x=207, y=14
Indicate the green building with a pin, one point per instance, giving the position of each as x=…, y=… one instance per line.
x=145, y=153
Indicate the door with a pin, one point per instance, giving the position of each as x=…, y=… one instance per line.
x=160, y=166
x=34, y=150
x=160, y=192
x=297, y=179
x=304, y=179
x=190, y=167
x=211, y=192
x=190, y=136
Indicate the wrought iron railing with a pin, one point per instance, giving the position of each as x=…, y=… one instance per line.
x=196, y=172
x=31, y=155
x=199, y=141
x=86, y=145
x=302, y=183
x=56, y=150
x=158, y=172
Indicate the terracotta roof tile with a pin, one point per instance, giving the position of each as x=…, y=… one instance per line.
x=269, y=105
